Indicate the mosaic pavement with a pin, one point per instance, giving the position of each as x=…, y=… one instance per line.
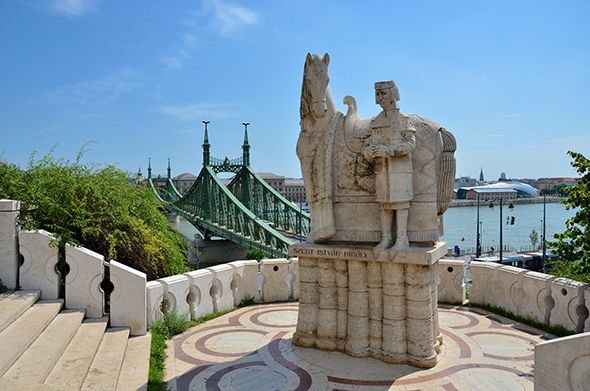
x=251, y=349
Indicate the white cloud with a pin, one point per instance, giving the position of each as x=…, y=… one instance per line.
x=96, y=91
x=69, y=8
x=198, y=111
x=230, y=18
x=172, y=63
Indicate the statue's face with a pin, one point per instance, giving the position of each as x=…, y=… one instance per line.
x=384, y=98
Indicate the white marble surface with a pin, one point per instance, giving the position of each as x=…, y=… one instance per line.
x=128, y=299
x=9, y=252
x=83, y=280
x=38, y=268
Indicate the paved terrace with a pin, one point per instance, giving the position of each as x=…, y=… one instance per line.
x=252, y=349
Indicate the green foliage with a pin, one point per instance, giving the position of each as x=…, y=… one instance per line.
x=3, y=288
x=534, y=236
x=573, y=246
x=559, y=190
x=556, y=330
x=246, y=301
x=171, y=324
x=255, y=254
x=99, y=207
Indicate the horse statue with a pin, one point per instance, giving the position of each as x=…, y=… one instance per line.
x=340, y=182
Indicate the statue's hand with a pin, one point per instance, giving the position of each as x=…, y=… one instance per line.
x=401, y=149
x=382, y=150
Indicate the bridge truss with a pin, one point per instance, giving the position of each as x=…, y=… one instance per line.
x=247, y=211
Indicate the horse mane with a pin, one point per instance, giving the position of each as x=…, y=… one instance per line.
x=306, y=99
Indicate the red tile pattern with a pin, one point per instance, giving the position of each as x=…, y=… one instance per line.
x=256, y=343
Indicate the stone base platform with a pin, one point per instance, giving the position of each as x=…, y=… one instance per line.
x=252, y=349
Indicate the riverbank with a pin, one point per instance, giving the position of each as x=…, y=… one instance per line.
x=518, y=201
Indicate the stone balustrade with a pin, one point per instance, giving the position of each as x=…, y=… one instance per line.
x=223, y=287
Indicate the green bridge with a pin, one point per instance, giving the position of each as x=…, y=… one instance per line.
x=247, y=211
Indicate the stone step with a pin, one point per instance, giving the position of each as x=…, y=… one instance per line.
x=136, y=364
x=17, y=337
x=73, y=365
x=38, y=360
x=22, y=385
x=15, y=304
x=104, y=371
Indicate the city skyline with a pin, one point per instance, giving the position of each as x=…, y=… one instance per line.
x=509, y=80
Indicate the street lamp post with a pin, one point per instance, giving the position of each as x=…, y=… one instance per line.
x=511, y=207
x=477, y=242
x=544, y=245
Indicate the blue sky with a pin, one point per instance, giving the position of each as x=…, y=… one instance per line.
x=510, y=79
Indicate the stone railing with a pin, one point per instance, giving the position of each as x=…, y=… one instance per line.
x=27, y=261
x=223, y=287
x=548, y=299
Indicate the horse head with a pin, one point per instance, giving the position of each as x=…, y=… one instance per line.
x=315, y=87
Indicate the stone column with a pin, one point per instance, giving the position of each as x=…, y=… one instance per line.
x=419, y=314
x=327, y=305
x=434, y=301
x=394, y=343
x=341, y=267
x=357, y=339
x=308, y=303
x=9, y=252
x=375, y=288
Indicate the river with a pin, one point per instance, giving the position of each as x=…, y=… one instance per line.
x=460, y=223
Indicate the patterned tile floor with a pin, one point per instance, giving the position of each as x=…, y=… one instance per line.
x=251, y=349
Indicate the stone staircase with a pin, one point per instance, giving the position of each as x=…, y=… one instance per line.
x=46, y=347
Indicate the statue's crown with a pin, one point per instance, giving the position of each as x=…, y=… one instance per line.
x=385, y=84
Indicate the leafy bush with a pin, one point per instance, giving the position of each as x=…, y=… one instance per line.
x=99, y=207
x=573, y=246
x=255, y=254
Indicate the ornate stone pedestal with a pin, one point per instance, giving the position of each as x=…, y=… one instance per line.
x=384, y=308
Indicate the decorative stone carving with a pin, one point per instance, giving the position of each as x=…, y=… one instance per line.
x=377, y=190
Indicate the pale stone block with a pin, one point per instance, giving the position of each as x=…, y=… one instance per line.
x=129, y=298
x=451, y=288
x=296, y=280
x=9, y=251
x=563, y=364
x=221, y=290
x=154, y=297
x=328, y=297
x=83, y=281
x=199, y=300
x=358, y=303
x=275, y=272
x=38, y=268
x=238, y=284
x=568, y=295
x=485, y=288
x=176, y=290
x=309, y=293
x=512, y=296
x=537, y=289
x=249, y=272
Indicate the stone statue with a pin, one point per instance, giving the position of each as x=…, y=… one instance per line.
x=369, y=181
x=344, y=179
x=390, y=150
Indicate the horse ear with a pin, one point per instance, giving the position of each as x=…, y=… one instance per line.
x=327, y=59
x=308, y=58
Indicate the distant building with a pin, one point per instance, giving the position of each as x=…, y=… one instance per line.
x=502, y=176
x=295, y=190
x=277, y=182
x=184, y=182
x=495, y=191
x=549, y=183
x=481, y=178
x=489, y=194
x=465, y=181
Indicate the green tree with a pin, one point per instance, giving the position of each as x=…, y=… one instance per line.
x=534, y=236
x=99, y=207
x=573, y=246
